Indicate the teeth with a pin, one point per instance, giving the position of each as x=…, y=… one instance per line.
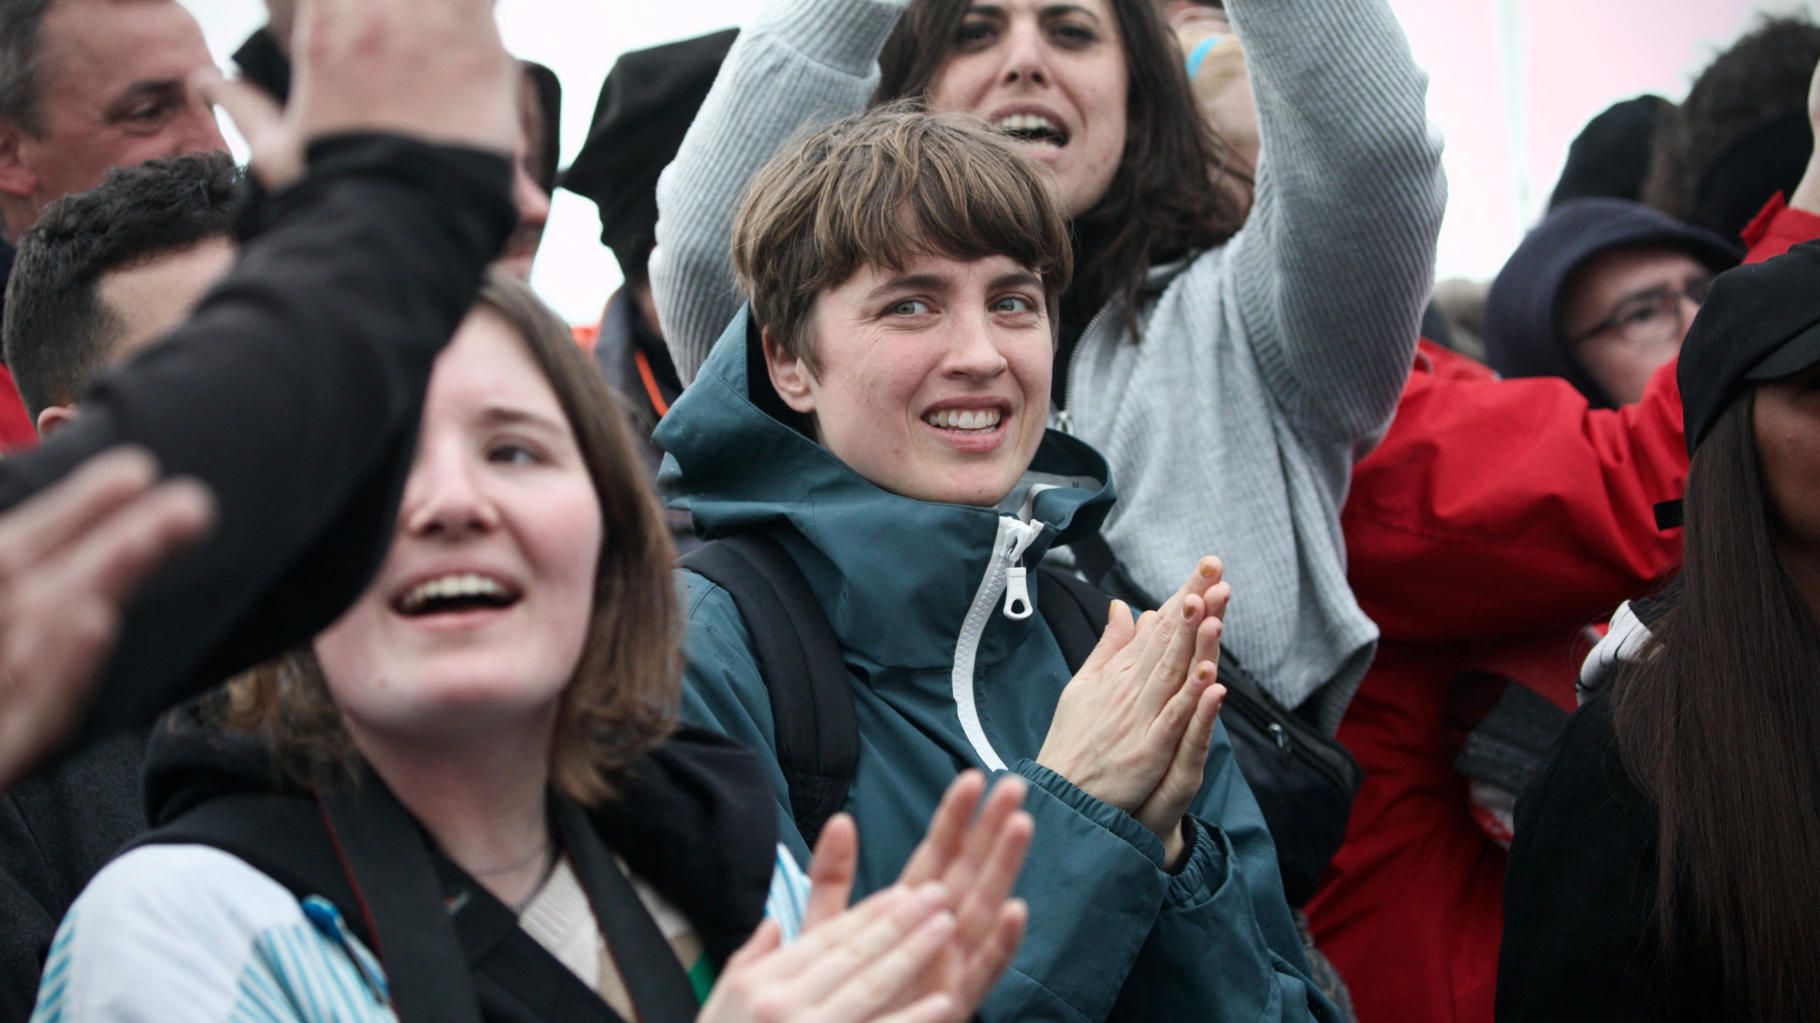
x=464, y=584
x=1027, y=123
x=956, y=419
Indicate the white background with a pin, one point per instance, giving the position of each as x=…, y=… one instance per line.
x=1511, y=83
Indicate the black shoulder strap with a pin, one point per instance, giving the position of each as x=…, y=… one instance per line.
x=1075, y=611
x=362, y=852
x=388, y=858
x=817, y=734
x=647, y=964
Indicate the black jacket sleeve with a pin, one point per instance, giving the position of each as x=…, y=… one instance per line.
x=294, y=393
x=1579, y=890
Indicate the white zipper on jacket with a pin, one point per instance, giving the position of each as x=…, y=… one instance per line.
x=1014, y=537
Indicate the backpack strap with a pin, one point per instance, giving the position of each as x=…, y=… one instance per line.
x=388, y=859
x=816, y=730
x=1075, y=611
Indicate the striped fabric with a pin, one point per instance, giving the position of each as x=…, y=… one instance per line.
x=789, y=897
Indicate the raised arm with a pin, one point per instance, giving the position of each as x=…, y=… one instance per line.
x=799, y=65
x=1336, y=261
x=292, y=393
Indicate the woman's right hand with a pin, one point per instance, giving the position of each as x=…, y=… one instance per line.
x=1122, y=717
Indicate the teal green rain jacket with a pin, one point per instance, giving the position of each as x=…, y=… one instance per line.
x=945, y=679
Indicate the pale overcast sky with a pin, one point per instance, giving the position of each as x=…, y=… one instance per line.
x=1512, y=82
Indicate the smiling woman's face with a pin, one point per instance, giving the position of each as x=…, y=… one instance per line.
x=933, y=381
x=1051, y=73
x=477, y=619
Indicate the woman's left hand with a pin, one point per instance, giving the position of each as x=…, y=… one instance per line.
x=975, y=858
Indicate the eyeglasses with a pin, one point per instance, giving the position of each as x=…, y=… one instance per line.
x=1649, y=318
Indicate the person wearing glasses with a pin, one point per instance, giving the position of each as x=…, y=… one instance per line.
x=1600, y=293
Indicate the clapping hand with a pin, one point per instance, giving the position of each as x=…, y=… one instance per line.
x=1133, y=726
x=925, y=950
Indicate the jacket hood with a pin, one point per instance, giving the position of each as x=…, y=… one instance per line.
x=188, y=762
x=1523, y=308
x=737, y=465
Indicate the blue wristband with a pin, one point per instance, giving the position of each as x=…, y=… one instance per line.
x=1199, y=53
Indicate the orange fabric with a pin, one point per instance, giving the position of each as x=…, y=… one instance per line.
x=652, y=391
x=586, y=335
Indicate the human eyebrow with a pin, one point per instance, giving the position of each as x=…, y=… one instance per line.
x=1641, y=296
x=986, y=10
x=495, y=415
x=909, y=282
x=163, y=90
x=1065, y=10
x=1017, y=279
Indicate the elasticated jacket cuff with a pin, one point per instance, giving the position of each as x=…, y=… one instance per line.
x=1104, y=814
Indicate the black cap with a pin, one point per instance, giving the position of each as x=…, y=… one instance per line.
x=1610, y=157
x=645, y=108
x=1522, y=324
x=1761, y=322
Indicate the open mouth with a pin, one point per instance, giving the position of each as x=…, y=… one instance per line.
x=453, y=594
x=1032, y=128
x=966, y=420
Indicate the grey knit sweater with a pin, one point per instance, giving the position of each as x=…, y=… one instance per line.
x=1266, y=366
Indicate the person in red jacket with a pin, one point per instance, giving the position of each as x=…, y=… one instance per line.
x=1493, y=523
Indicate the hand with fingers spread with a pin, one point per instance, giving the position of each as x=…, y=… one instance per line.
x=926, y=949
x=1120, y=724
x=977, y=858
x=429, y=69
x=69, y=558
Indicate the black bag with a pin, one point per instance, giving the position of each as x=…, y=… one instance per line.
x=1304, y=780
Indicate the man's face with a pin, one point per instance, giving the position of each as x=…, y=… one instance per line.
x=112, y=93
x=147, y=300
x=1626, y=311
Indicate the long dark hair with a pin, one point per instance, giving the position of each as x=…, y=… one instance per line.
x=1719, y=724
x=1160, y=204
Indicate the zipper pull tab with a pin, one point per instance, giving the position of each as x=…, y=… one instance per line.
x=1063, y=421
x=1017, y=594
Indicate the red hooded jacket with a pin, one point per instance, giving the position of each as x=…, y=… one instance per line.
x=1496, y=520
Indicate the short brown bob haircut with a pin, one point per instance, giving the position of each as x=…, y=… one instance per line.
x=623, y=698
x=881, y=189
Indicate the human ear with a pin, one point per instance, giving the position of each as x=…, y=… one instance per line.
x=16, y=179
x=55, y=417
x=790, y=375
